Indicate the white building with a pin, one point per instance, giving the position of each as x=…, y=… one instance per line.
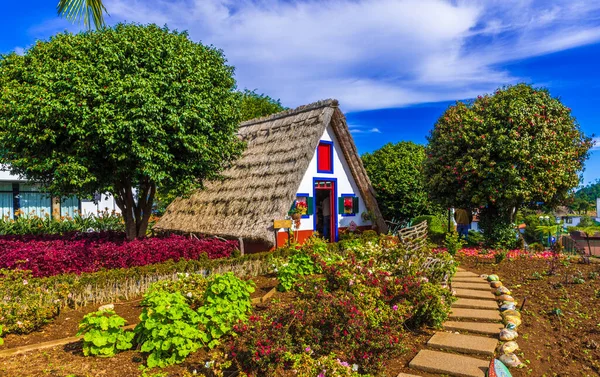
x=16, y=193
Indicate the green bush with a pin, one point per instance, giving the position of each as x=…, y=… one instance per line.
x=169, y=329
x=299, y=264
x=103, y=334
x=34, y=225
x=435, y=227
x=431, y=305
x=475, y=238
x=226, y=302
x=453, y=243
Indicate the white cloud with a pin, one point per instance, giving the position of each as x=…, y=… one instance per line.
x=354, y=129
x=596, y=144
x=19, y=50
x=371, y=53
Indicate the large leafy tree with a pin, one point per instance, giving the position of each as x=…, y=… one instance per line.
x=498, y=152
x=90, y=11
x=122, y=110
x=255, y=105
x=397, y=176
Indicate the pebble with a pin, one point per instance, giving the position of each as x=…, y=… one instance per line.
x=507, y=335
x=509, y=347
x=495, y=284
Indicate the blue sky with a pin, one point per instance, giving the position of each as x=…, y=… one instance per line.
x=395, y=65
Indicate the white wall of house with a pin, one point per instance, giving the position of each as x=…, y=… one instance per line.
x=345, y=184
x=88, y=207
x=598, y=209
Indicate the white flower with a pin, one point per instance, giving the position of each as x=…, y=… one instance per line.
x=189, y=294
x=355, y=367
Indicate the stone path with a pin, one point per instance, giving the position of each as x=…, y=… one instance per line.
x=468, y=343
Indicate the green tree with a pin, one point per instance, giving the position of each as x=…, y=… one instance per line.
x=500, y=151
x=396, y=173
x=91, y=11
x=256, y=105
x=122, y=110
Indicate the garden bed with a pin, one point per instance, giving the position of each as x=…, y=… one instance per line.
x=321, y=311
x=551, y=345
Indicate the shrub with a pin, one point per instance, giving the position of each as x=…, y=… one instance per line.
x=79, y=253
x=192, y=286
x=35, y=225
x=299, y=264
x=331, y=365
x=226, y=302
x=431, y=305
x=103, y=334
x=435, y=227
x=168, y=330
x=453, y=243
x=475, y=238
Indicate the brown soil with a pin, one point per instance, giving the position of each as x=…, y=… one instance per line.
x=551, y=345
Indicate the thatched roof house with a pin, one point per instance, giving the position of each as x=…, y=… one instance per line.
x=282, y=150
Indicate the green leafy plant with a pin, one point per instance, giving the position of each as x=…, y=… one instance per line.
x=500, y=256
x=1, y=340
x=103, y=334
x=169, y=329
x=299, y=264
x=226, y=302
x=453, y=242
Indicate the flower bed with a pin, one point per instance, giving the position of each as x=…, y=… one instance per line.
x=510, y=254
x=77, y=253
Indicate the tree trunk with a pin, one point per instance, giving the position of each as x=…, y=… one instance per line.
x=136, y=213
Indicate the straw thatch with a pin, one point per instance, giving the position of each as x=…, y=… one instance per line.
x=262, y=184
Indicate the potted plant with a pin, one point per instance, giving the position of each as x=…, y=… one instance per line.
x=300, y=208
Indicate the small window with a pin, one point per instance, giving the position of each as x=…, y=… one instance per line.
x=348, y=205
x=325, y=157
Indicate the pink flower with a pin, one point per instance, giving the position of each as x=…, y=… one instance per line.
x=395, y=307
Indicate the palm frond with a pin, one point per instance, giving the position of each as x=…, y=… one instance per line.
x=86, y=10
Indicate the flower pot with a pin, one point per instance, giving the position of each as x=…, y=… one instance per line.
x=296, y=216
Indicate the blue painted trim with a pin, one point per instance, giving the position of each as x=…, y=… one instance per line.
x=331, y=157
x=335, y=205
x=348, y=214
x=307, y=216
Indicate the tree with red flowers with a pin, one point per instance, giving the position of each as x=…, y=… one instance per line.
x=516, y=147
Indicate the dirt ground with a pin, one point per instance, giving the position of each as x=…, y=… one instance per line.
x=552, y=344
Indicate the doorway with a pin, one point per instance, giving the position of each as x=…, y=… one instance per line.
x=325, y=208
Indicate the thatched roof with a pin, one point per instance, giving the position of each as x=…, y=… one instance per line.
x=263, y=182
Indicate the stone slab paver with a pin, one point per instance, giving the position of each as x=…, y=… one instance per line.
x=465, y=273
x=463, y=343
x=469, y=279
x=470, y=293
x=449, y=363
x=472, y=285
x=407, y=375
x=475, y=304
x=474, y=327
x=476, y=314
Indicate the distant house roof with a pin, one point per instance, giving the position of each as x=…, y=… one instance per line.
x=262, y=184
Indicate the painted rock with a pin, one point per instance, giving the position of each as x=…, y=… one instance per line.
x=502, y=291
x=495, y=284
x=493, y=278
x=511, y=326
x=505, y=298
x=508, y=302
x=508, y=335
x=511, y=360
x=509, y=347
x=512, y=313
x=512, y=319
x=498, y=369
x=509, y=306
